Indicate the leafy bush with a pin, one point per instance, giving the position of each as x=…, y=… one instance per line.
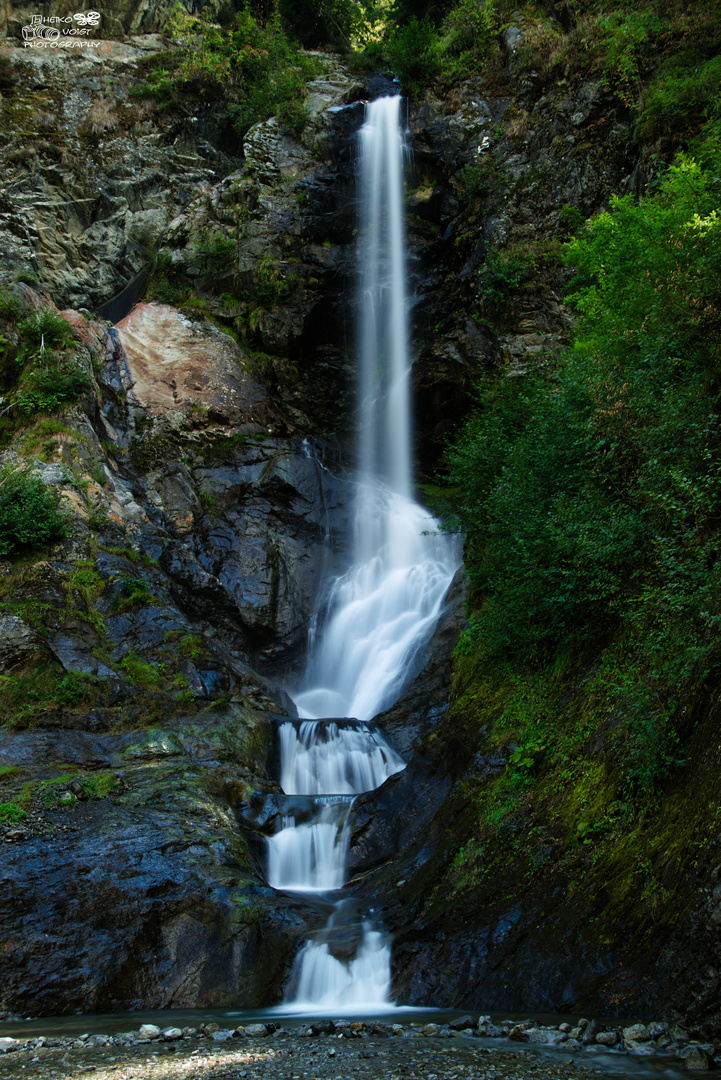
x=322, y=22
x=501, y=273
x=45, y=330
x=251, y=66
x=214, y=252
x=30, y=514
x=684, y=94
x=470, y=25
x=415, y=54
x=590, y=493
x=49, y=387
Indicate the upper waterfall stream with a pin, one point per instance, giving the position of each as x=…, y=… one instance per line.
x=375, y=619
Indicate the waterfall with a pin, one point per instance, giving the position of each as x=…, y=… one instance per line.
x=370, y=632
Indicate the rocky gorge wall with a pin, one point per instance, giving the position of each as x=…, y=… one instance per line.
x=204, y=471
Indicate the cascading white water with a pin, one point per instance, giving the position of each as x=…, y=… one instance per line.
x=311, y=857
x=320, y=758
x=380, y=614
x=377, y=617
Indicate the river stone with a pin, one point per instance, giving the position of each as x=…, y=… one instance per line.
x=589, y=1034
x=430, y=1030
x=170, y=1034
x=607, y=1038
x=656, y=1028
x=223, y=1035
x=697, y=1059
x=256, y=1031
x=636, y=1033
x=462, y=1023
x=8, y=1045
x=323, y=1027
x=149, y=1031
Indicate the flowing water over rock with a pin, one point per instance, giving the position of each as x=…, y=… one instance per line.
x=376, y=618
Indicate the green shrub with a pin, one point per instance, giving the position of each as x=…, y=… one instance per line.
x=683, y=95
x=46, y=329
x=30, y=514
x=11, y=813
x=501, y=273
x=415, y=54
x=322, y=22
x=470, y=26
x=140, y=672
x=252, y=67
x=49, y=385
x=10, y=306
x=214, y=253
x=132, y=593
x=589, y=492
x=70, y=689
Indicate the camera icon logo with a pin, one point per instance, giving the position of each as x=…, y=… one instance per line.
x=37, y=30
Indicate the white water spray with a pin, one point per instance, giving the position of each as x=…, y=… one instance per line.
x=377, y=618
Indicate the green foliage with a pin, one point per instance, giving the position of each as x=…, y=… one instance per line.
x=140, y=672
x=7, y=772
x=40, y=378
x=684, y=94
x=213, y=253
x=99, y=785
x=70, y=690
x=45, y=329
x=501, y=273
x=10, y=306
x=30, y=514
x=471, y=26
x=415, y=54
x=323, y=22
x=132, y=593
x=50, y=384
x=630, y=39
x=249, y=64
x=11, y=813
x=482, y=179
x=589, y=493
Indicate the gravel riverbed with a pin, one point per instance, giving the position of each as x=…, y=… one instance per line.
x=331, y=1058
x=357, y=1050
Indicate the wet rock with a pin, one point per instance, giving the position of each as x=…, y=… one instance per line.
x=20, y=646
x=607, y=1038
x=589, y=1032
x=7, y=1045
x=637, y=1033
x=697, y=1060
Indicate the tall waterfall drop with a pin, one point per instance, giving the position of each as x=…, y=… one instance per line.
x=376, y=618
x=380, y=614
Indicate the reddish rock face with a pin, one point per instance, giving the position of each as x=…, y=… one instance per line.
x=176, y=364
